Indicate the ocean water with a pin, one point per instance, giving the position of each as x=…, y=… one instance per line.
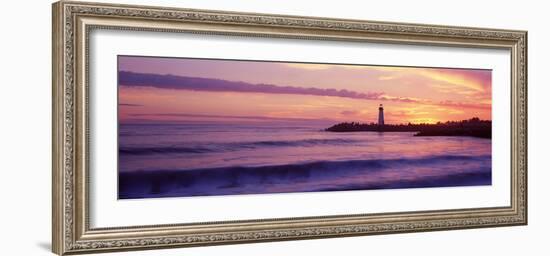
x=178, y=160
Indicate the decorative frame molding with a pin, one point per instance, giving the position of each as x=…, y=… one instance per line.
x=72, y=22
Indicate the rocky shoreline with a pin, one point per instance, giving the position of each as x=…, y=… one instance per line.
x=473, y=127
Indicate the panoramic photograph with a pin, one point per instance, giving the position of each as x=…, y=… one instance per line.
x=213, y=127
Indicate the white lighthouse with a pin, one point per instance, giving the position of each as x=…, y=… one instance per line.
x=380, y=115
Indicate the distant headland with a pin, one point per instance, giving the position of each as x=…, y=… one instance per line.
x=473, y=127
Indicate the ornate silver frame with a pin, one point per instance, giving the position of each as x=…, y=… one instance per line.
x=72, y=22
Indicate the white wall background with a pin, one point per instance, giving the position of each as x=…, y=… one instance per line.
x=25, y=116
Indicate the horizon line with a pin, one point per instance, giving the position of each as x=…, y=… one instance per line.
x=264, y=119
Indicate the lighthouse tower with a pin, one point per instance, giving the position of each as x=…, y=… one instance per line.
x=380, y=115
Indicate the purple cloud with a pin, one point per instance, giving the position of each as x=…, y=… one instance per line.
x=449, y=103
x=217, y=85
x=226, y=117
x=129, y=105
x=349, y=113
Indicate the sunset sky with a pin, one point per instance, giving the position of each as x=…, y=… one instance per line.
x=153, y=89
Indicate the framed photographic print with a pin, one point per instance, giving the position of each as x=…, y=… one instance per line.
x=179, y=127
